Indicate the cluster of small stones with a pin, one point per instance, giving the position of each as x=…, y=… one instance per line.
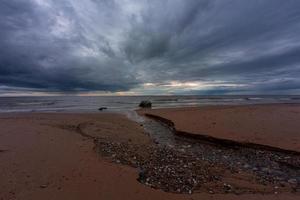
x=277, y=168
x=270, y=167
x=180, y=170
x=162, y=167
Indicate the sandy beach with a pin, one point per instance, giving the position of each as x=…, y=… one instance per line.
x=99, y=156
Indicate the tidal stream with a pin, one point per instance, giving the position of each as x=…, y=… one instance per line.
x=268, y=165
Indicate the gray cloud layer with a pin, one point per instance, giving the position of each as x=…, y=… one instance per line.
x=120, y=45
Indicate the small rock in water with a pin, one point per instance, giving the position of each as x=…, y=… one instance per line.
x=102, y=108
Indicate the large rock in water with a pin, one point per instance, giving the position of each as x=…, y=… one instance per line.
x=145, y=104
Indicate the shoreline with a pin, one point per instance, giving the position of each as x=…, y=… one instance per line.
x=108, y=110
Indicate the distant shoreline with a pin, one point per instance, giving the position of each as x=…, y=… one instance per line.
x=121, y=103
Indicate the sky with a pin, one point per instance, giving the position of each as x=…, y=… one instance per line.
x=149, y=47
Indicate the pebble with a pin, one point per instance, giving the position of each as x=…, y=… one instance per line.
x=44, y=186
x=227, y=187
x=293, y=181
x=246, y=166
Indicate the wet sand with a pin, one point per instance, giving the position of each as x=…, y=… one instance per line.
x=45, y=156
x=274, y=125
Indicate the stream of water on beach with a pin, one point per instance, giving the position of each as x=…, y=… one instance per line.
x=266, y=164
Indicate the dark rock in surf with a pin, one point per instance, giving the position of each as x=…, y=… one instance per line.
x=145, y=104
x=102, y=108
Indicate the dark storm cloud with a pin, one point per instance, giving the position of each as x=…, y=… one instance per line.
x=101, y=45
x=44, y=45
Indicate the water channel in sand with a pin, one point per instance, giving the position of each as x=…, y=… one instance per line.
x=279, y=166
x=160, y=133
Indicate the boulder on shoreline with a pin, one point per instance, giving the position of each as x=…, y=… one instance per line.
x=145, y=104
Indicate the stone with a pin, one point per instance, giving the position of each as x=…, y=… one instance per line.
x=246, y=166
x=292, y=181
x=227, y=187
x=145, y=104
x=102, y=108
x=44, y=186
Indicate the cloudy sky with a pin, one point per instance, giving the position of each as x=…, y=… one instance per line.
x=149, y=47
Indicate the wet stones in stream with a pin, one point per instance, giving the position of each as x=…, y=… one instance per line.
x=161, y=167
x=189, y=170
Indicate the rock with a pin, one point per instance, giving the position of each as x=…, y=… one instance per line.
x=145, y=104
x=142, y=175
x=292, y=181
x=227, y=187
x=102, y=108
x=282, y=184
x=246, y=166
x=43, y=186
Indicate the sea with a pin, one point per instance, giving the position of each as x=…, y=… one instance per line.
x=128, y=103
